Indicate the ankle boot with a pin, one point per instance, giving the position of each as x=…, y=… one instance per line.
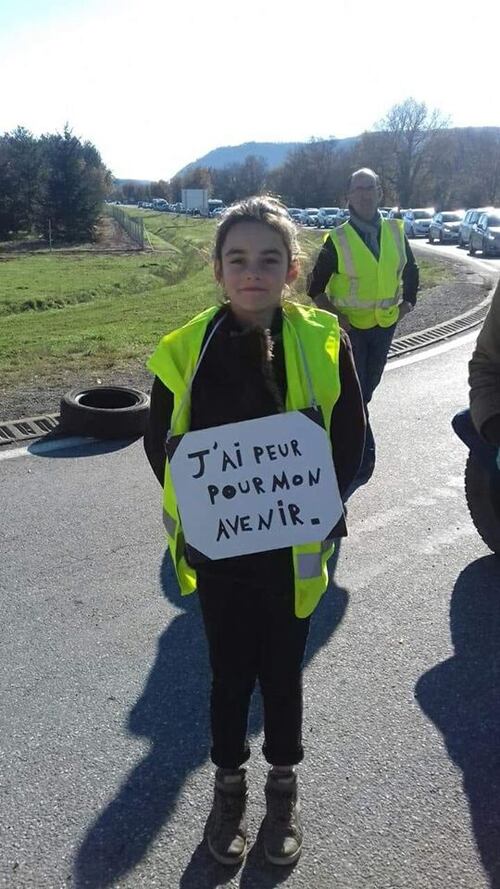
x=226, y=829
x=282, y=829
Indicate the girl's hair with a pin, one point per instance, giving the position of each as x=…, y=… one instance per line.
x=260, y=208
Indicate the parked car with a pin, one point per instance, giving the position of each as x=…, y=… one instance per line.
x=160, y=204
x=417, y=222
x=444, y=227
x=485, y=235
x=326, y=217
x=295, y=213
x=383, y=212
x=342, y=216
x=396, y=213
x=470, y=219
x=309, y=216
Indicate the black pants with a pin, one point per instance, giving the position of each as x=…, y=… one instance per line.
x=253, y=634
x=370, y=349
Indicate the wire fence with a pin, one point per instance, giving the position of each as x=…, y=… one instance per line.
x=133, y=227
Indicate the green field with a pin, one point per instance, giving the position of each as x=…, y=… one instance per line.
x=83, y=313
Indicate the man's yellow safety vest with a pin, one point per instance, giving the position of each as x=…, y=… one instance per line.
x=364, y=289
x=306, y=331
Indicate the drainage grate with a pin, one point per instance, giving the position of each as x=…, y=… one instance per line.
x=440, y=332
x=28, y=427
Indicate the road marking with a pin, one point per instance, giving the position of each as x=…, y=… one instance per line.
x=452, y=253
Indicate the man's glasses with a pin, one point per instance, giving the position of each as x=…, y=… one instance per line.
x=365, y=188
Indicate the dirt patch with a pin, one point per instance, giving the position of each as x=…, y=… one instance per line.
x=110, y=238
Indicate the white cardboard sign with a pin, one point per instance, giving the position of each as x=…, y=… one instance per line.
x=255, y=485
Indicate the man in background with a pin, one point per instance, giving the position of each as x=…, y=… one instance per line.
x=357, y=276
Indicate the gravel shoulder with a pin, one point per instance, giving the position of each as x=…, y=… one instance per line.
x=435, y=305
x=468, y=288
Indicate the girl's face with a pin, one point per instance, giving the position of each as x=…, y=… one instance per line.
x=254, y=270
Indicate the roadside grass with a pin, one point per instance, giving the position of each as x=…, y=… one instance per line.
x=80, y=314
x=433, y=273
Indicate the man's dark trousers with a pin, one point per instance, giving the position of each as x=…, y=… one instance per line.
x=370, y=349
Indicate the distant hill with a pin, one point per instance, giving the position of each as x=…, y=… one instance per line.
x=274, y=153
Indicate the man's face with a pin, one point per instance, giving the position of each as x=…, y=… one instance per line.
x=364, y=195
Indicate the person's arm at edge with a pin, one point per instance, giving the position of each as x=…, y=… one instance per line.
x=348, y=423
x=484, y=375
x=160, y=413
x=325, y=266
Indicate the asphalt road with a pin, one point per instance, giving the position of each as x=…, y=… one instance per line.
x=104, y=757
x=422, y=248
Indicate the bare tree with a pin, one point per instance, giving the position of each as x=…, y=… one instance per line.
x=252, y=175
x=488, y=162
x=374, y=150
x=197, y=177
x=410, y=127
x=310, y=175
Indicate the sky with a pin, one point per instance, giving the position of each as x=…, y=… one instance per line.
x=156, y=84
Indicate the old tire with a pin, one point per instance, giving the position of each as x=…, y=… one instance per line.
x=104, y=412
x=482, y=492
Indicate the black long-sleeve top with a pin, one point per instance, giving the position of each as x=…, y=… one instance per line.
x=327, y=264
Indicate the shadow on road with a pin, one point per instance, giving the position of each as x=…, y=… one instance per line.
x=173, y=713
x=462, y=698
x=56, y=447
x=203, y=872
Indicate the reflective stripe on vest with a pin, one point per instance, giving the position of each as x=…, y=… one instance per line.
x=169, y=523
x=309, y=565
x=305, y=329
x=345, y=247
x=400, y=244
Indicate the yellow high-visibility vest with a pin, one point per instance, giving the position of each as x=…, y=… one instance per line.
x=306, y=330
x=364, y=289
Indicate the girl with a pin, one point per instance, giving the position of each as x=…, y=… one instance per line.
x=256, y=608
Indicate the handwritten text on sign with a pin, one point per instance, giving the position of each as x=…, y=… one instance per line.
x=256, y=485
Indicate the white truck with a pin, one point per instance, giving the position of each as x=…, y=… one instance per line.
x=195, y=199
